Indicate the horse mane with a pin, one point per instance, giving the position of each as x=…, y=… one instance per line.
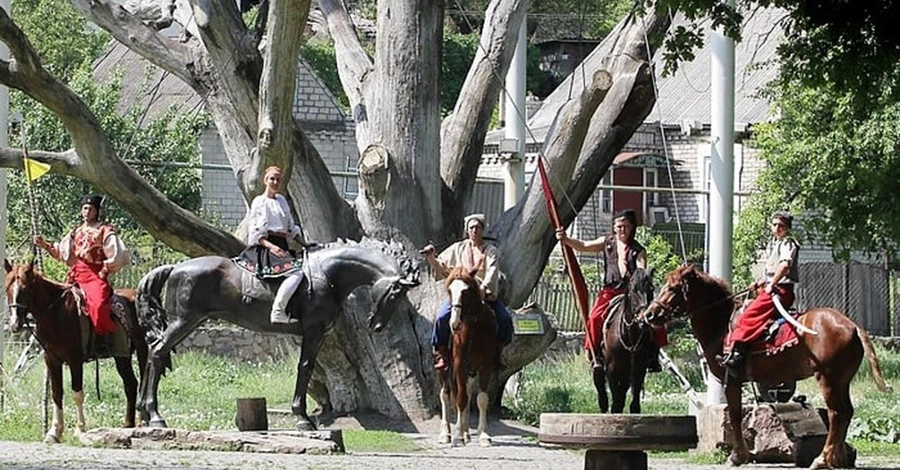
x=682, y=273
x=407, y=266
x=461, y=274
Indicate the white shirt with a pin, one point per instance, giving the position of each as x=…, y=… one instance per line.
x=270, y=215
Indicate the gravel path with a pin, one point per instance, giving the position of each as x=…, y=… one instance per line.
x=515, y=448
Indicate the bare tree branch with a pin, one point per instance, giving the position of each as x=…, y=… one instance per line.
x=624, y=54
x=286, y=24
x=354, y=64
x=166, y=53
x=463, y=132
x=62, y=163
x=97, y=161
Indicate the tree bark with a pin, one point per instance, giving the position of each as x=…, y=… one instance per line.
x=415, y=177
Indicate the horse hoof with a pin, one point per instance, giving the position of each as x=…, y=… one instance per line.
x=734, y=461
x=444, y=439
x=51, y=438
x=485, y=441
x=305, y=425
x=819, y=463
x=158, y=423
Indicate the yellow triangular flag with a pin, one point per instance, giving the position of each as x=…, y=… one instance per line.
x=35, y=169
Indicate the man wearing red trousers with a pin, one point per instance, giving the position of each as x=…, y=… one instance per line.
x=780, y=276
x=622, y=255
x=92, y=251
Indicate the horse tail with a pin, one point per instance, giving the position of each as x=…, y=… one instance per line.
x=873, y=360
x=151, y=313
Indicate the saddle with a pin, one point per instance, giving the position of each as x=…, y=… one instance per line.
x=118, y=343
x=778, y=337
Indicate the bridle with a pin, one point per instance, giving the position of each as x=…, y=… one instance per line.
x=669, y=312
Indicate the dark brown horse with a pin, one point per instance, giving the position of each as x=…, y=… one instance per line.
x=58, y=326
x=627, y=347
x=473, y=349
x=833, y=355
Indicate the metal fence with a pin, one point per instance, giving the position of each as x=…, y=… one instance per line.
x=866, y=293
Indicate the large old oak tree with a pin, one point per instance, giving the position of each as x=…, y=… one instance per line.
x=416, y=170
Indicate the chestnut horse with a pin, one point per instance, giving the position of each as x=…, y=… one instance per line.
x=473, y=351
x=55, y=309
x=627, y=347
x=833, y=355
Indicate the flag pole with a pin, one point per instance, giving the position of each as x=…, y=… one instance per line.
x=32, y=200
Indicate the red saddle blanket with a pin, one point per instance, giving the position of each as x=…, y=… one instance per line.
x=770, y=344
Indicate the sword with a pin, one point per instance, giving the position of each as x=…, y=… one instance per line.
x=789, y=318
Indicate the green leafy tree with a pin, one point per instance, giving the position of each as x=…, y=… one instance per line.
x=64, y=40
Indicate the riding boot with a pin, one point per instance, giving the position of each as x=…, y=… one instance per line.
x=441, y=357
x=282, y=297
x=734, y=361
x=653, y=364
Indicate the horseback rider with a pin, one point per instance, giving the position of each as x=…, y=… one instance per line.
x=473, y=252
x=622, y=256
x=270, y=226
x=92, y=251
x=781, y=273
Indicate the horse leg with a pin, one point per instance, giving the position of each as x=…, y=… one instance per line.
x=637, y=386
x=123, y=367
x=76, y=372
x=444, y=436
x=484, y=378
x=598, y=373
x=618, y=387
x=840, y=412
x=739, y=454
x=177, y=330
x=54, y=373
x=309, y=348
x=462, y=405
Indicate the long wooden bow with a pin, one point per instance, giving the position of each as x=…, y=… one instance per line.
x=572, y=267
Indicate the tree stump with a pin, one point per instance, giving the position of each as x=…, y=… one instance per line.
x=251, y=414
x=618, y=441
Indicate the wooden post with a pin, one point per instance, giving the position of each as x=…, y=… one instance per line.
x=251, y=414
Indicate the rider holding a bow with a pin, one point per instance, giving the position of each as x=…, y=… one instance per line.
x=781, y=273
x=622, y=255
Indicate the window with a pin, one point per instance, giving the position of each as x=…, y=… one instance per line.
x=651, y=180
x=606, y=194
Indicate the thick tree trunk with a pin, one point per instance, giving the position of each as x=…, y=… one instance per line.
x=414, y=178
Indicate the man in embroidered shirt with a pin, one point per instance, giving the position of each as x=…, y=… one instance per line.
x=469, y=253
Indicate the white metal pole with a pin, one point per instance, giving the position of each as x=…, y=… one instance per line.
x=4, y=189
x=721, y=191
x=515, y=115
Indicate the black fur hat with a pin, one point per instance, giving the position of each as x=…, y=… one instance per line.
x=93, y=200
x=627, y=214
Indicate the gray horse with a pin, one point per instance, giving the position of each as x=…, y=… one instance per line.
x=211, y=287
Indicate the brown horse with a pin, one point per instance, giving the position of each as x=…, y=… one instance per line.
x=58, y=323
x=833, y=355
x=473, y=349
x=627, y=347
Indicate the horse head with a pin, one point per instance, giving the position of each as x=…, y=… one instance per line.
x=20, y=280
x=640, y=288
x=672, y=301
x=387, y=293
x=464, y=291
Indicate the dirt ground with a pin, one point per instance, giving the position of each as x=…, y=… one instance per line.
x=515, y=448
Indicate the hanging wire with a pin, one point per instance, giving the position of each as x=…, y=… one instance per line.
x=662, y=133
x=521, y=114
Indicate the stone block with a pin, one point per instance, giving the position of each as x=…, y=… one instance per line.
x=774, y=432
